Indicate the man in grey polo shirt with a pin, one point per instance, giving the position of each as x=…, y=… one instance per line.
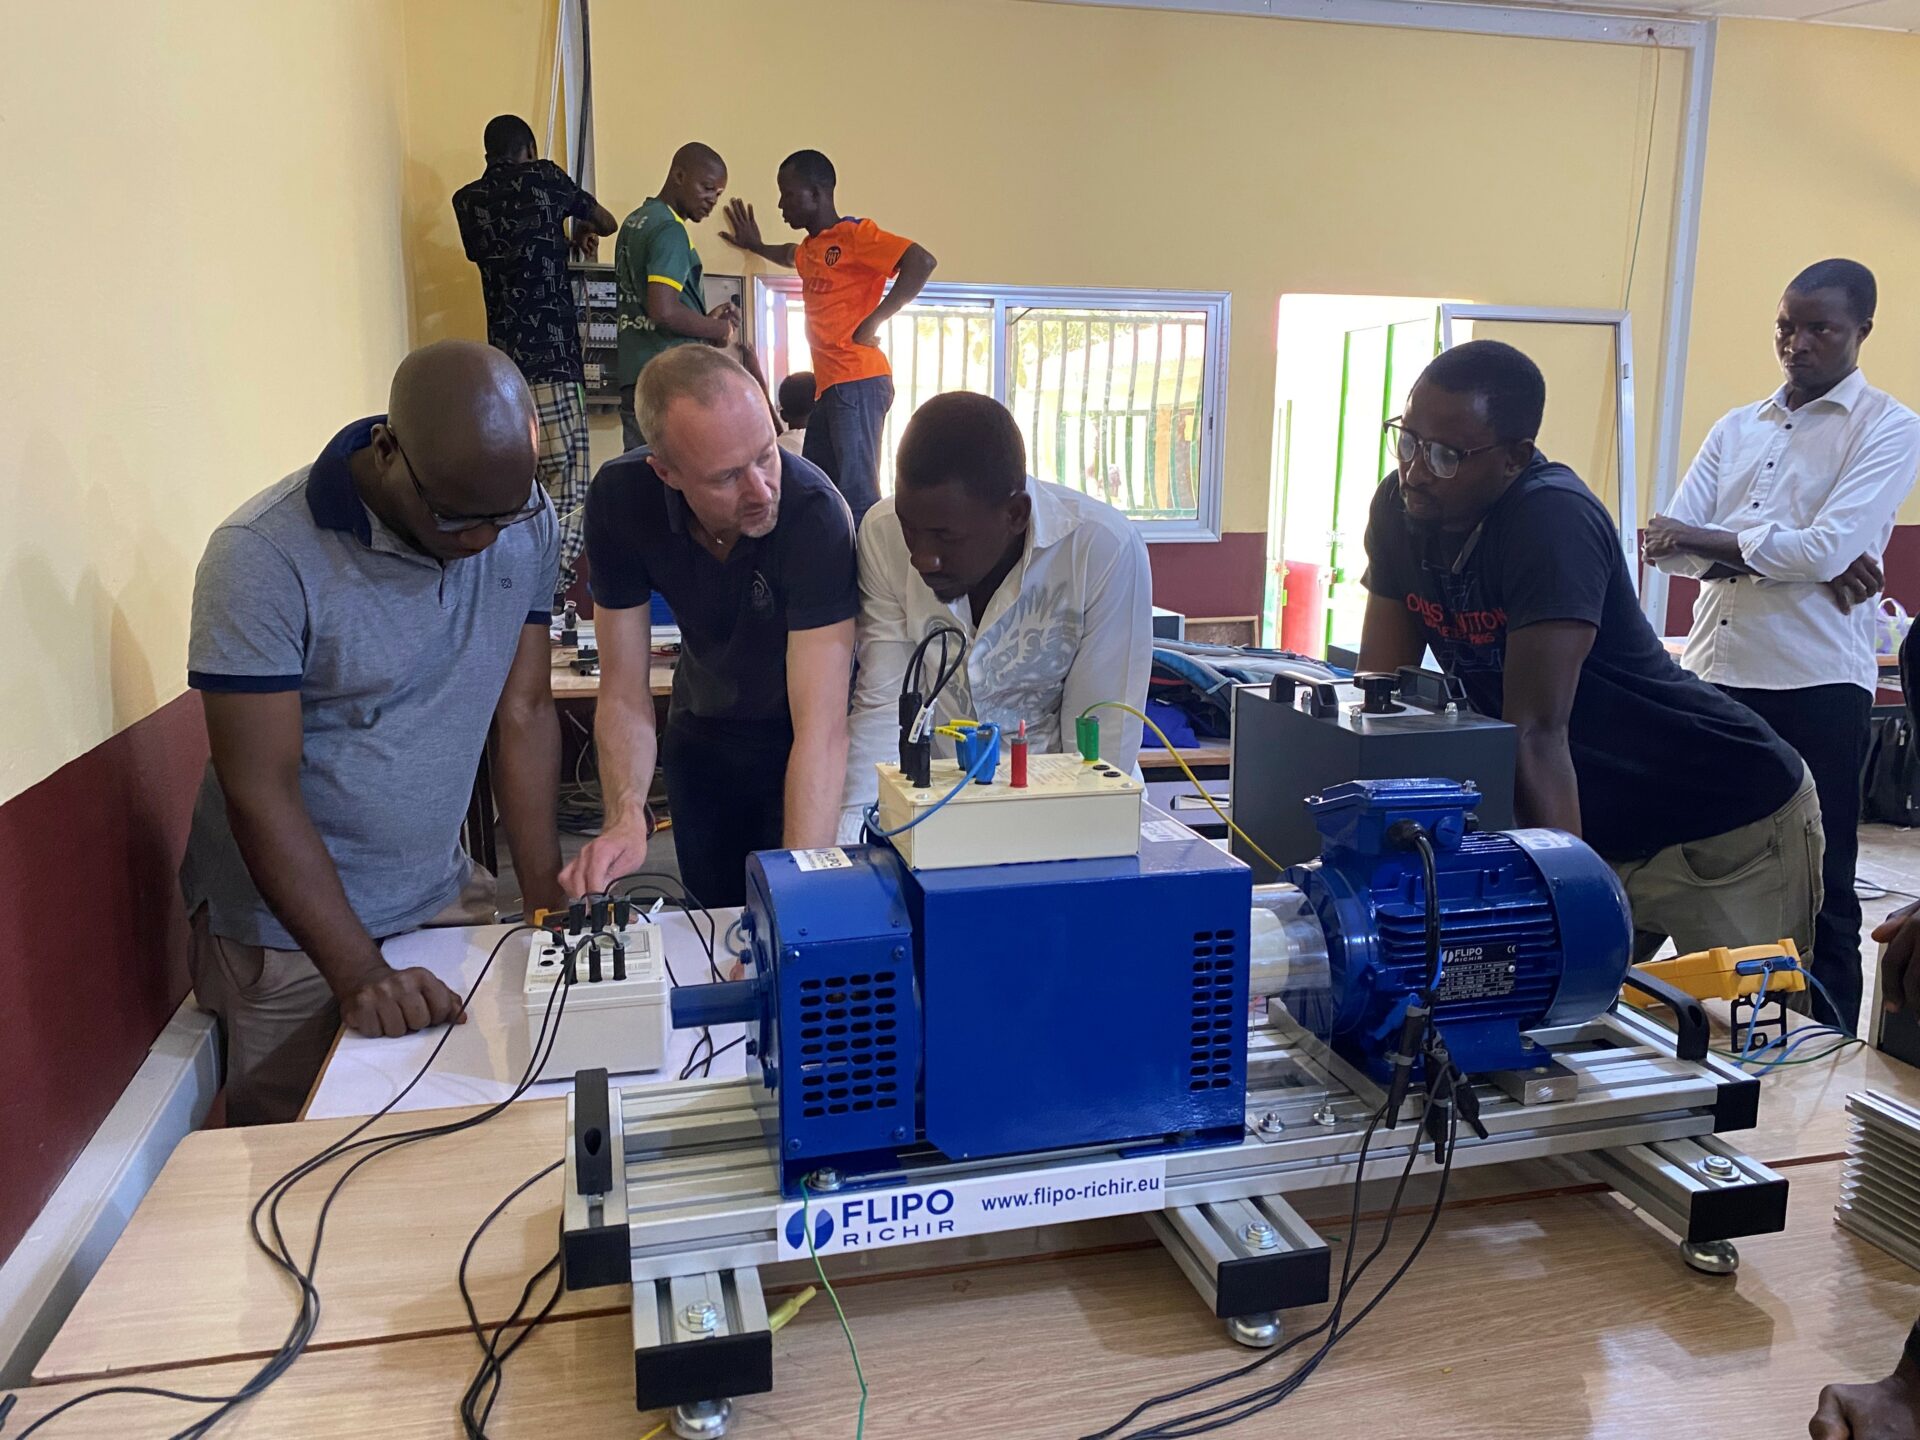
x=356, y=628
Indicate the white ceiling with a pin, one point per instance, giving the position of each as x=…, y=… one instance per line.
x=1879, y=14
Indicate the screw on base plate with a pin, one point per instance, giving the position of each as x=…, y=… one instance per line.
x=1261, y=1236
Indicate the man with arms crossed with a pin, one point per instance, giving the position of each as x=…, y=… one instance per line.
x=1051, y=588
x=1512, y=571
x=1783, y=518
x=752, y=548
x=356, y=628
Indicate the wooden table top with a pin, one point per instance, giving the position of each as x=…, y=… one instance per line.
x=1212, y=753
x=393, y=1239
x=396, y=1234
x=1544, y=1319
x=569, y=684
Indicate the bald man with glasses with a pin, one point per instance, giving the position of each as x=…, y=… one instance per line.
x=357, y=628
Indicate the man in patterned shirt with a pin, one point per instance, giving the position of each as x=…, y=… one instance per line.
x=511, y=223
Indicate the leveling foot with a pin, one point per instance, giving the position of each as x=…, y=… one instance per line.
x=1256, y=1332
x=702, y=1420
x=1711, y=1257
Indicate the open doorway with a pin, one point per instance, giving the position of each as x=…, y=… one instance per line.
x=1345, y=364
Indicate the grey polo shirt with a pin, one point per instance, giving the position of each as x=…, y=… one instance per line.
x=400, y=661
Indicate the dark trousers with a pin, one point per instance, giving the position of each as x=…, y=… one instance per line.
x=630, y=436
x=726, y=791
x=1829, y=726
x=843, y=438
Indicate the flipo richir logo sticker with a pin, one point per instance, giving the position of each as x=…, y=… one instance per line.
x=797, y=1229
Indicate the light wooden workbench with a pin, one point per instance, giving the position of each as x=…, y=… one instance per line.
x=569, y=684
x=1538, y=1320
x=396, y=1235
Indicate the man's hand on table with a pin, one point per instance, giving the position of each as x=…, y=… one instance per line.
x=1889, y=1409
x=390, y=1002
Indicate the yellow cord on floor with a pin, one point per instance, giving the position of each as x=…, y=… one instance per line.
x=1185, y=770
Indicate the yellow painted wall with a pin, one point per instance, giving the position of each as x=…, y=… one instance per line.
x=204, y=278
x=1047, y=144
x=1810, y=154
x=467, y=61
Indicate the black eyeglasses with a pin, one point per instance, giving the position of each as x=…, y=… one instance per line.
x=451, y=522
x=1443, y=460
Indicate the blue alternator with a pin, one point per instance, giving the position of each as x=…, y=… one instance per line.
x=1535, y=930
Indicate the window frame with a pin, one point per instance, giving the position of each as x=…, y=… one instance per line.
x=1215, y=305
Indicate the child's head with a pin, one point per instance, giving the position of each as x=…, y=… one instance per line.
x=796, y=399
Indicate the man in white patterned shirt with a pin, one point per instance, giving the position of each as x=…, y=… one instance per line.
x=1051, y=588
x=1784, y=518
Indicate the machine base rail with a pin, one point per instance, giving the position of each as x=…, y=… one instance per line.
x=1247, y=1257
x=693, y=1207
x=700, y=1336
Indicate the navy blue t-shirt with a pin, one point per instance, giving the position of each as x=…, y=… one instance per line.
x=1661, y=757
x=734, y=614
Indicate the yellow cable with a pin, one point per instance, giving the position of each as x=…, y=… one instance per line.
x=654, y=1431
x=784, y=1313
x=1185, y=770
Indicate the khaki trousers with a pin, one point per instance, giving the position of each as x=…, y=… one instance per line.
x=278, y=1016
x=1751, y=886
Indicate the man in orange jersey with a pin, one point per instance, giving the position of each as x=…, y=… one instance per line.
x=844, y=267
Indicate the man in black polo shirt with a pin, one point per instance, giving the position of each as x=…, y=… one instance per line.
x=1511, y=570
x=753, y=548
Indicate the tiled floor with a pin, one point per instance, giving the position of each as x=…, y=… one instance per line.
x=1889, y=861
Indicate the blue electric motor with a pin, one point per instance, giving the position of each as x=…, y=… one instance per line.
x=1535, y=930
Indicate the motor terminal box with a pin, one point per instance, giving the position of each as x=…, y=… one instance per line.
x=1069, y=809
x=616, y=1016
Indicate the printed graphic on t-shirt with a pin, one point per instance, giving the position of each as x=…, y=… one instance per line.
x=1467, y=632
x=1023, y=657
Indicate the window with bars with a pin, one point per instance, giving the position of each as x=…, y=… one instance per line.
x=1118, y=393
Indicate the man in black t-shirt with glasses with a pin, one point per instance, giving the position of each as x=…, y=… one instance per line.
x=1511, y=570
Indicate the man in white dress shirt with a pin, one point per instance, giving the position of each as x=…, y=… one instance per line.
x=1051, y=588
x=1784, y=518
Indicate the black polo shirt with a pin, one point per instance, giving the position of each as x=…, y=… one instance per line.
x=734, y=614
x=1661, y=757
